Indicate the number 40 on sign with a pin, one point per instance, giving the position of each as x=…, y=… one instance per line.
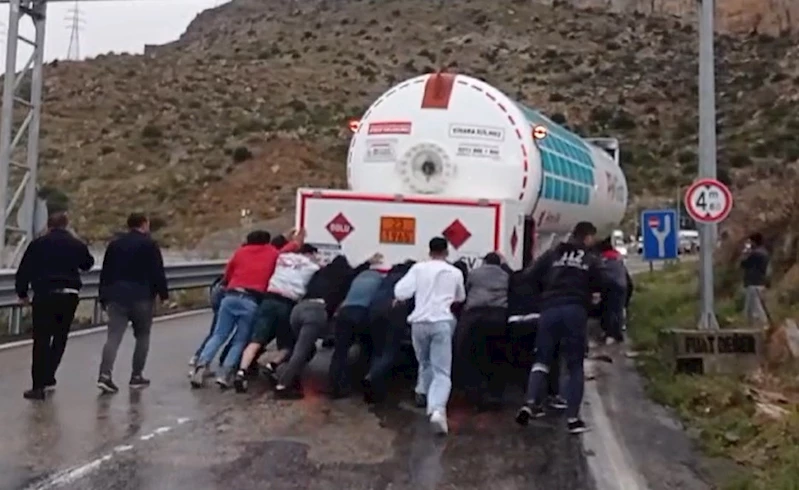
x=708, y=201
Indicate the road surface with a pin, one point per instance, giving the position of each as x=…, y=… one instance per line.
x=171, y=437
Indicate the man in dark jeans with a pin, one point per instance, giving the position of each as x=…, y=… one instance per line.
x=568, y=275
x=351, y=323
x=484, y=324
x=388, y=328
x=51, y=265
x=132, y=276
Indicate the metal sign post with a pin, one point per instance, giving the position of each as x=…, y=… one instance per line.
x=709, y=202
x=707, y=155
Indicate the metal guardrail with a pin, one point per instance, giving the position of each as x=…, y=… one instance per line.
x=186, y=275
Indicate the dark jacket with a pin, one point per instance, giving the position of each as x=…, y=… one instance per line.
x=52, y=261
x=133, y=270
x=523, y=296
x=332, y=282
x=566, y=275
x=384, y=296
x=755, y=267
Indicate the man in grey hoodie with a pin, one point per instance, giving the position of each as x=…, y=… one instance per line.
x=484, y=321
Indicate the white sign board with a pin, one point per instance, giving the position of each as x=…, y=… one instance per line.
x=708, y=201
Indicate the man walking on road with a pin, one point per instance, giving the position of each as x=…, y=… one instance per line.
x=51, y=265
x=132, y=276
x=435, y=285
x=567, y=276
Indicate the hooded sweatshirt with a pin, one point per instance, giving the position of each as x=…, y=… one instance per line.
x=614, y=271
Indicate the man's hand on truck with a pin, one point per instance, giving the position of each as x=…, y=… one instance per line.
x=376, y=258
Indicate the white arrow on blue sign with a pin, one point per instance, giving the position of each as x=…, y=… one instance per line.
x=660, y=234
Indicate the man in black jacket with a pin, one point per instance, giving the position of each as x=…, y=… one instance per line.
x=51, y=266
x=568, y=275
x=131, y=278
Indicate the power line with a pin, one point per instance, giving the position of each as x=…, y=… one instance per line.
x=75, y=26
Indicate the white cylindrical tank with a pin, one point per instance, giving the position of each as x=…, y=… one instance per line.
x=457, y=136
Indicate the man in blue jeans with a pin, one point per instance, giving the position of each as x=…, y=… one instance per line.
x=566, y=275
x=435, y=286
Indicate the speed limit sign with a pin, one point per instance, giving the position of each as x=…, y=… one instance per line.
x=708, y=201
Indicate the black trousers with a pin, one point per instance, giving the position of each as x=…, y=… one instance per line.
x=486, y=360
x=350, y=326
x=52, y=316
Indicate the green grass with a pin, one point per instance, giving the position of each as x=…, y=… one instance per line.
x=717, y=409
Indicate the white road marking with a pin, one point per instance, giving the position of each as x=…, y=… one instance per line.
x=71, y=475
x=607, y=459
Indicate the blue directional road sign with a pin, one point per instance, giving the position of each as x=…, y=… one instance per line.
x=660, y=232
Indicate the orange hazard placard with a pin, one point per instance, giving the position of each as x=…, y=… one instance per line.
x=398, y=229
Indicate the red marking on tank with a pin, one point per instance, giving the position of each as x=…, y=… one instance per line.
x=438, y=91
x=525, y=161
x=512, y=121
x=524, y=181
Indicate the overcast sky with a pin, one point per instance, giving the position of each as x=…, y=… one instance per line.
x=113, y=25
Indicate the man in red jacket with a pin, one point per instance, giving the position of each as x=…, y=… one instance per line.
x=247, y=274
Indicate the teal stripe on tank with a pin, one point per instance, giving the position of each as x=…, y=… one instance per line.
x=566, y=161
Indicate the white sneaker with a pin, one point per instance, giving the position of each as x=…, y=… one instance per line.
x=610, y=341
x=439, y=422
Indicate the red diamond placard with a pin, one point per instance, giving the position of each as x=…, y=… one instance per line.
x=340, y=227
x=514, y=240
x=456, y=234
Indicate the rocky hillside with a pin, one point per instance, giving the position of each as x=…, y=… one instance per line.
x=774, y=17
x=252, y=101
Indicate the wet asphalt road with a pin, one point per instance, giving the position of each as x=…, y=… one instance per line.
x=171, y=437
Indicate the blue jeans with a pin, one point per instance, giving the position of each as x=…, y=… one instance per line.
x=563, y=326
x=236, y=312
x=432, y=343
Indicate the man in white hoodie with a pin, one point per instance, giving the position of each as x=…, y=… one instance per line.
x=287, y=286
x=435, y=285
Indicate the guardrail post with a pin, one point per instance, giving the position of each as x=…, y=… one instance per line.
x=14, y=320
x=97, y=315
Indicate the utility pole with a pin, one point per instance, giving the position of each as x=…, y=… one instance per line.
x=75, y=26
x=707, y=159
x=22, y=97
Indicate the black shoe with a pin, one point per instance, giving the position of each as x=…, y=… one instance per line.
x=328, y=343
x=34, y=394
x=252, y=370
x=50, y=385
x=577, y=427
x=290, y=393
x=240, y=382
x=139, y=381
x=106, y=385
x=557, y=402
x=420, y=400
x=368, y=391
x=527, y=413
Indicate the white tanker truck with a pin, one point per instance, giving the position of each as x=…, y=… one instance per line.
x=448, y=155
